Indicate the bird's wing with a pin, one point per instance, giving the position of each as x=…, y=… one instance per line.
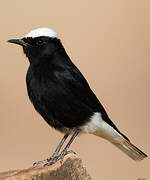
x=80, y=89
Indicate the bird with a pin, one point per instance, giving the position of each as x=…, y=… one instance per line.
x=63, y=97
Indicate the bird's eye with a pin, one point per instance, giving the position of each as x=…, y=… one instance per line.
x=40, y=42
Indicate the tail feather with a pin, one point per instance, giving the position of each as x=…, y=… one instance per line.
x=101, y=128
x=131, y=150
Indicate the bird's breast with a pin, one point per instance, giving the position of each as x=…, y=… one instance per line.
x=53, y=97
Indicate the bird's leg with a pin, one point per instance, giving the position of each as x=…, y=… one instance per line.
x=64, y=151
x=55, y=154
x=53, y=158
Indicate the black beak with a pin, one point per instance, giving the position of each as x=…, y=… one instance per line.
x=17, y=41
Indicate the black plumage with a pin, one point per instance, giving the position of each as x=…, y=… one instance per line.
x=58, y=90
x=62, y=96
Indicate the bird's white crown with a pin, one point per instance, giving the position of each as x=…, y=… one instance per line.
x=42, y=32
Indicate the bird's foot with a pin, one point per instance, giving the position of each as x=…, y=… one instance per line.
x=57, y=157
x=54, y=158
x=63, y=154
x=70, y=152
x=39, y=162
x=49, y=161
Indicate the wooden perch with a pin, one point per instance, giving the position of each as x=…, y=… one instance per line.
x=71, y=169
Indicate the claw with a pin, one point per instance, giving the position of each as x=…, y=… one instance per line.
x=48, y=161
x=40, y=162
x=63, y=154
x=71, y=152
x=54, y=158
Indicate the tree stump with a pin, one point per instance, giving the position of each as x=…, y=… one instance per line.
x=71, y=169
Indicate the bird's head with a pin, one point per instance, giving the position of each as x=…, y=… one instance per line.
x=39, y=43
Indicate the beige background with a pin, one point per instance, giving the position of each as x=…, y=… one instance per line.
x=109, y=40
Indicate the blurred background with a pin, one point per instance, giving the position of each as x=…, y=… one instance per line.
x=110, y=43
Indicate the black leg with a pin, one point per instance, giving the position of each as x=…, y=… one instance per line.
x=71, y=140
x=53, y=158
x=64, y=152
x=61, y=144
